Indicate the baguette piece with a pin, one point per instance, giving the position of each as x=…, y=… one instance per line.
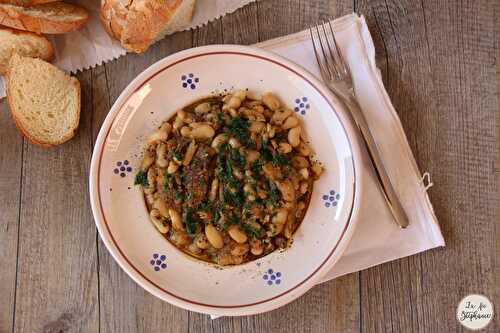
x=24, y=43
x=139, y=23
x=48, y=18
x=26, y=3
x=43, y=100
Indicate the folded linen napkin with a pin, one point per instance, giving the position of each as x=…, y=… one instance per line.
x=377, y=238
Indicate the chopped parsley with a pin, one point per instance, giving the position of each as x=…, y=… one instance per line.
x=221, y=118
x=239, y=128
x=256, y=167
x=231, y=220
x=252, y=231
x=179, y=195
x=238, y=158
x=141, y=178
x=274, y=194
x=234, y=199
x=280, y=159
x=205, y=205
x=266, y=153
x=177, y=155
x=190, y=221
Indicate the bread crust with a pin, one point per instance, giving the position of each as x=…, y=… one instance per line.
x=18, y=17
x=26, y=3
x=48, y=48
x=26, y=134
x=137, y=23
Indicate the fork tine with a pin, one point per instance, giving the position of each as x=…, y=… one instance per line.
x=343, y=63
x=331, y=68
x=324, y=72
x=333, y=55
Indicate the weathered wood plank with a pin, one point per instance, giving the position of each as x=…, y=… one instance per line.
x=125, y=306
x=56, y=279
x=439, y=75
x=11, y=150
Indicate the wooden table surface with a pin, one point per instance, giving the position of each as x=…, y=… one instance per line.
x=440, y=62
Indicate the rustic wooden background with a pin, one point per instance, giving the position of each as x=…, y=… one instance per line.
x=441, y=65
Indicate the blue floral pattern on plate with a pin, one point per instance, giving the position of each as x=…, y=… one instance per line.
x=271, y=277
x=301, y=105
x=122, y=168
x=331, y=199
x=189, y=81
x=158, y=262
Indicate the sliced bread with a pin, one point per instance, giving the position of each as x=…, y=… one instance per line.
x=24, y=43
x=43, y=100
x=48, y=18
x=139, y=23
x=26, y=3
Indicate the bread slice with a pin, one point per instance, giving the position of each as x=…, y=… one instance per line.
x=48, y=18
x=24, y=43
x=43, y=100
x=26, y=3
x=139, y=23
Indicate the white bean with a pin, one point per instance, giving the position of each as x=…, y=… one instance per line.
x=303, y=149
x=241, y=94
x=238, y=235
x=317, y=169
x=303, y=187
x=161, y=206
x=202, y=242
x=202, y=108
x=294, y=136
x=186, y=131
x=158, y=221
x=300, y=162
x=257, y=126
x=304, y=172
x=172, y=167
x=271, y=101
x=234, y=102
x=214, y=187
x=280, y=115
x=218, y=140
x=234, y=143
x=286, y=189
x=290, y=122
x=147, y=160
x=176, y=219
x=214, y=236
x=256, y=247
x=284, y=148
x=202, y=132
x=161, y=150
x=240, y=249
x=191, y=149
x=278, y=222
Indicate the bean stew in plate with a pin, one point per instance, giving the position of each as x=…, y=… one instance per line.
x=228, y=179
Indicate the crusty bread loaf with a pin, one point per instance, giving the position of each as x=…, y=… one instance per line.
x=24, y=43
x=43, y=100
x=49, y=18
x=139, y=23
x=26, y=3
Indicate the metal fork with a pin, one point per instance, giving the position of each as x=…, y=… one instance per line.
x=337, y=76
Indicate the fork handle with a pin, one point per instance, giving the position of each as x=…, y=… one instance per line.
x=390, y=195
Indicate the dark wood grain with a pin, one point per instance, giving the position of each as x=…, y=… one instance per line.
x=56, y=275
x=10, y=189
x=440, y=62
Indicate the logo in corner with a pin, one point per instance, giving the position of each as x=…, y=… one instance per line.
x=475, y=312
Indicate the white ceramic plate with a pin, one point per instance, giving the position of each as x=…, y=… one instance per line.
x=158, y=266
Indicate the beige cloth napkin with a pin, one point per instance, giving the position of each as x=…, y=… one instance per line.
x=377, y=238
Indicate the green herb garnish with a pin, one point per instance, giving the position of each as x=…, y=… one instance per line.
x=239, y=128
x=141, y=178
x=280, y=159
x=231, y=220
x=274, y=194
x=252, y=231
x=189, y=220
x=177, y=156
x=179, y=195
x=221, y=118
